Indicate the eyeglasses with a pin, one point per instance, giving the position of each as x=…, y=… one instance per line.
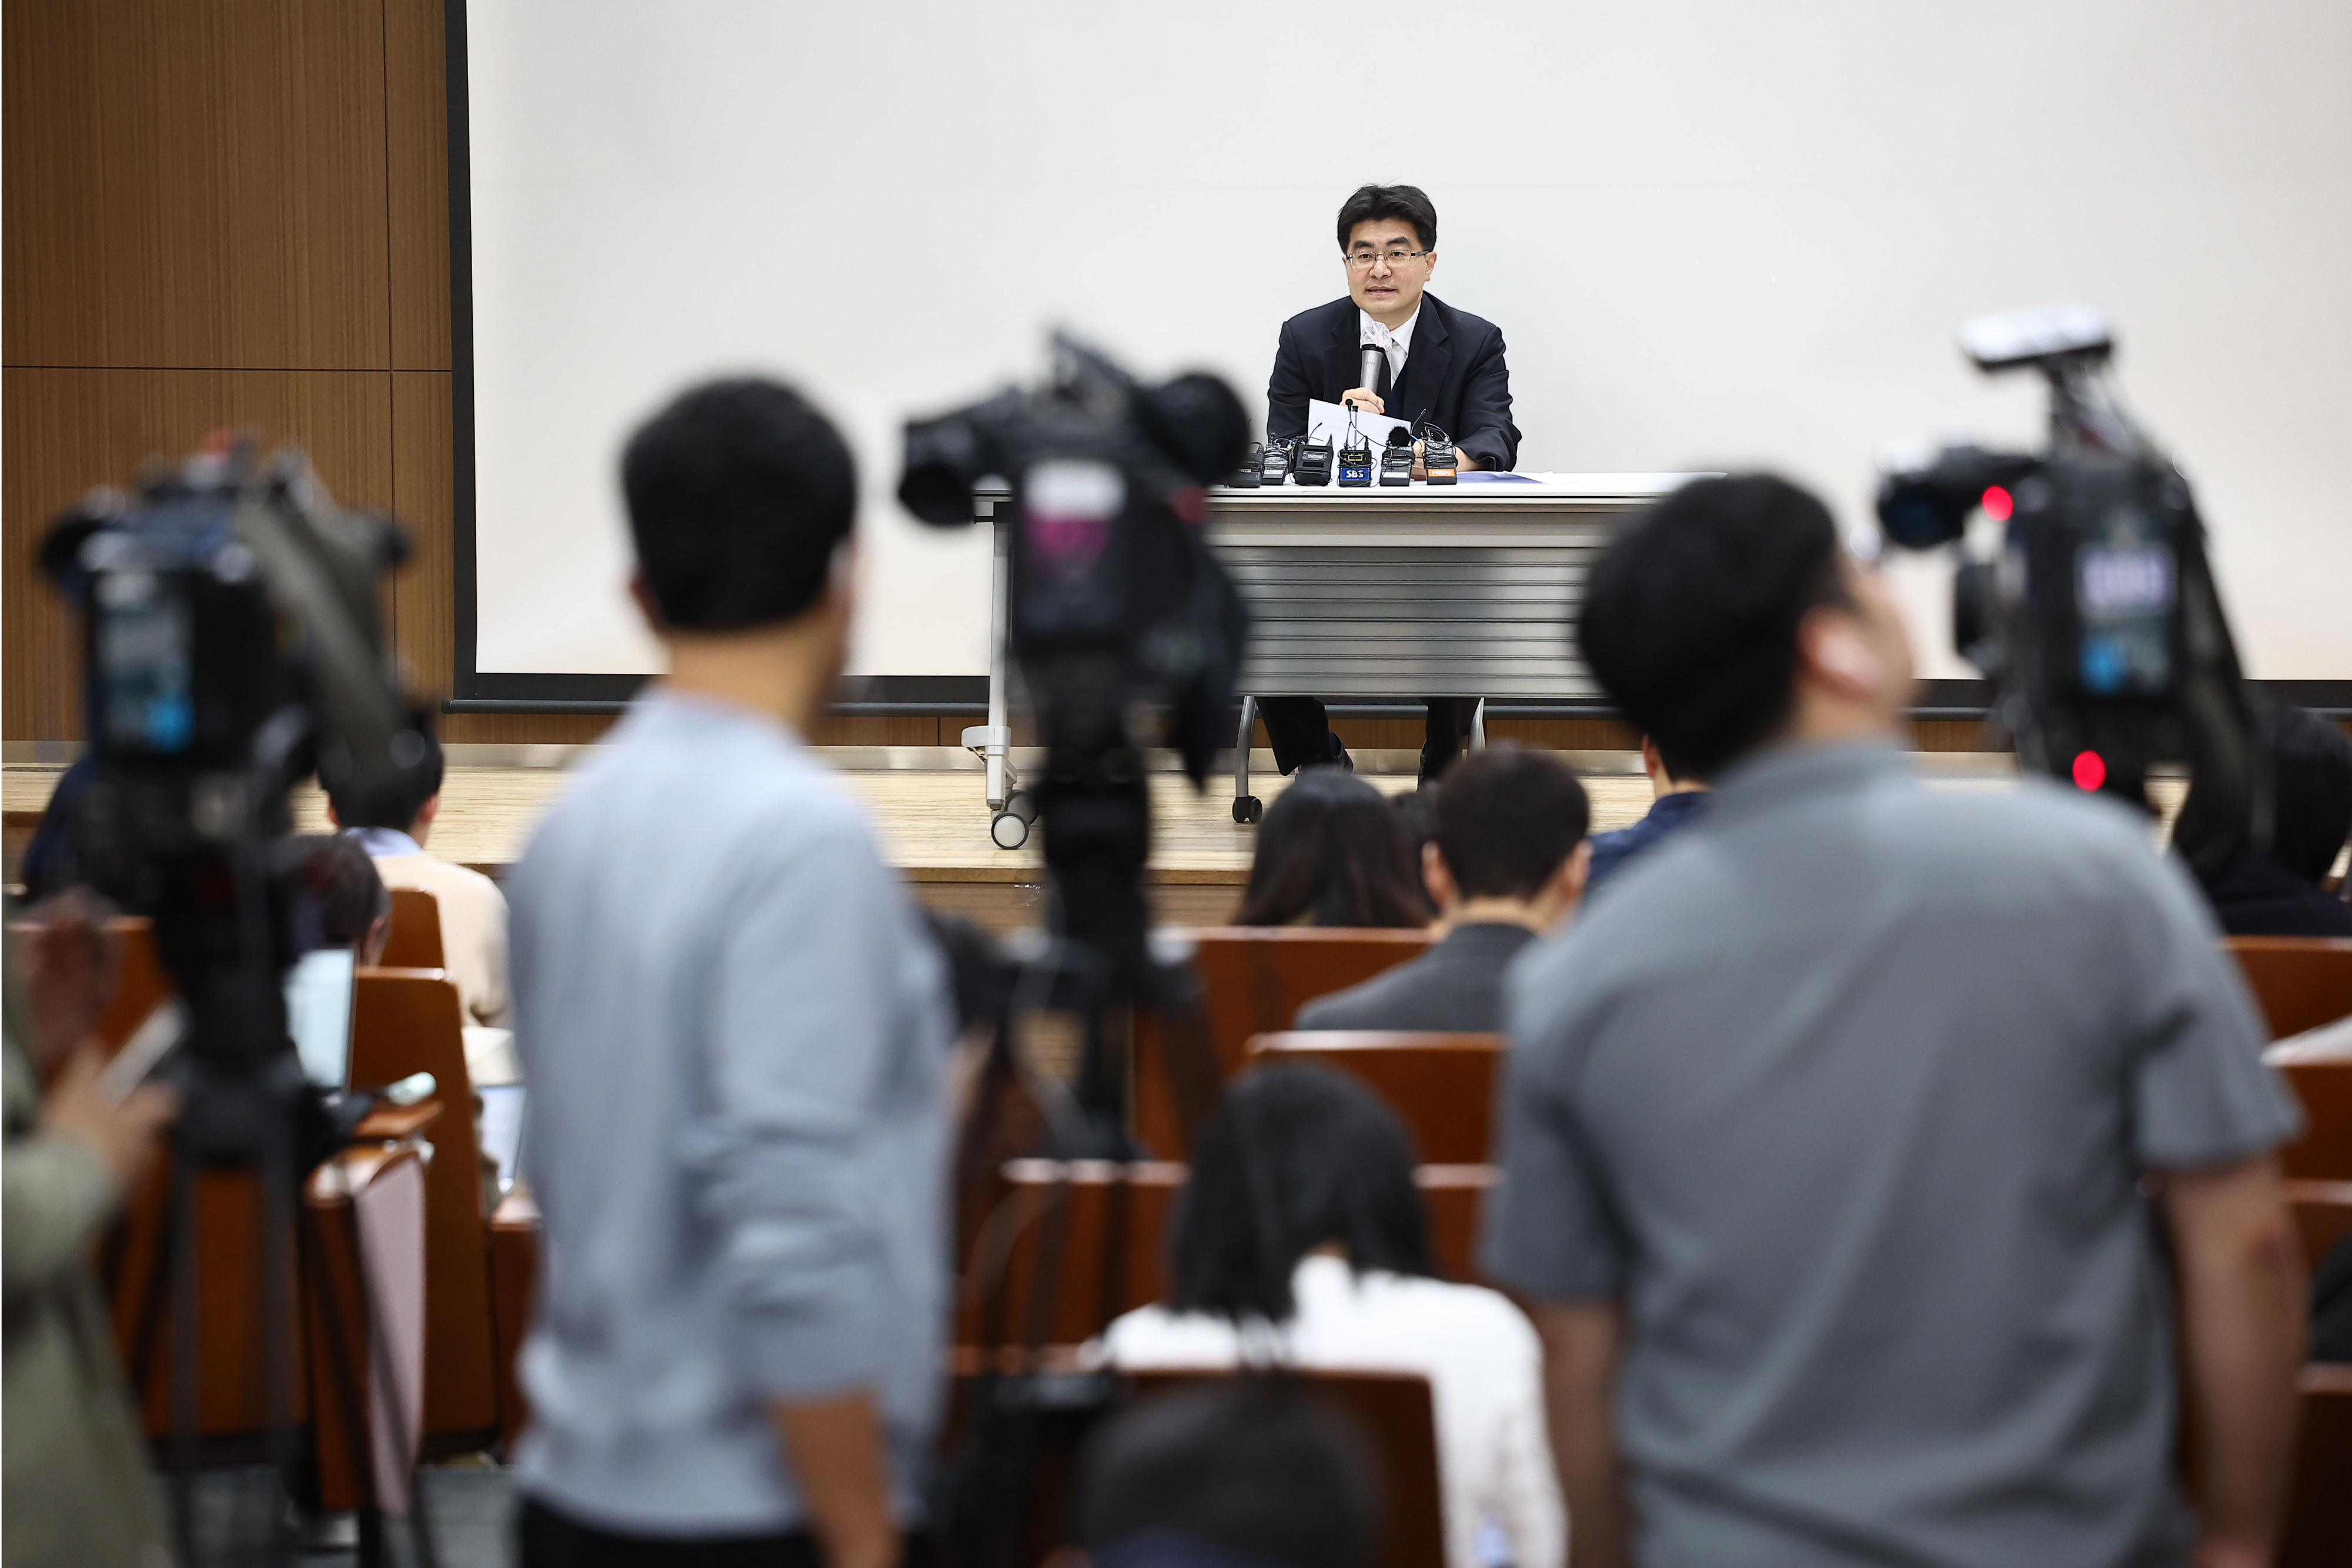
x=1361, y=259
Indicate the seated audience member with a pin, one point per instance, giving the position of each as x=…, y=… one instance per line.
x=1506, y=861
x=1246, y=1474
x=1823, y=1152
x=735, y=1031
x=1346, y=1282
x=79, y=1489
x=2279, y=891
x=1677, y=800
x=51, y=860
x=353, y=907
x=473, y=910
x=1332, y=852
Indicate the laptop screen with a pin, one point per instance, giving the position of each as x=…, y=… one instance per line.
x=318, y=1013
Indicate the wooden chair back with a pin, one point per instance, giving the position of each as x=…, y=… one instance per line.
x=514, y=1287
x=2323, y=1216
x=2318, y=1526
x=1441, y=1085
x=1455, y=1197
x=140, y=980
x=411, y=1020
x=1254, y=980
x=1395, y=1413
x=2324, y=1152
x=414, y=940
x=1078, y=1242
x=366, y=1359
x=2301, y=982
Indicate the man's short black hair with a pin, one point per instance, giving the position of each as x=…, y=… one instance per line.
x=1248, y=1467
x=346, y=894
x=1690, y=617
x=739, y=493
x=1407, y=203
x=398, y=814
x=1507, y=819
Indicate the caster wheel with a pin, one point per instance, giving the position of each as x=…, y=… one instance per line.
x=1247, y=809
x=1022, y=804
x=1009, y=829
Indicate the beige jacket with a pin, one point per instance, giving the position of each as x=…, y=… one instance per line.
x=473, y=929
x=77, y=1487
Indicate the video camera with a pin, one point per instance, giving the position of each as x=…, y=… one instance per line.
x=1117, y=609
x=2097, y=618
x=231, y=647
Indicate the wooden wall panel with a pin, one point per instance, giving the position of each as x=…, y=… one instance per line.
x=51, y=219
x=422, y=492
x=418, y=139
x=67, y=430
x=238, y=181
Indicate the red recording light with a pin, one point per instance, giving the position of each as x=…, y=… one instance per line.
x=1998, y=504
x=2090, y=770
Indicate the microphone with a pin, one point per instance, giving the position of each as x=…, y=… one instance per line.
x=1374, y=358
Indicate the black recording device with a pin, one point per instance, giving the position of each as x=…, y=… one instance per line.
x=1118, y=612
x=1438, y=462
x=1310, y=461
x=1396, y=458
x=1355, y=455
x=2095, y=613
x=1274, y=466
x=231, y=647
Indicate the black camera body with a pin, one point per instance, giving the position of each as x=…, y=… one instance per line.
x=1117, y=606
x=2097, y=618
x=231, y=647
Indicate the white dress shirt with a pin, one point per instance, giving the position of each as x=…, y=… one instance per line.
x=1398, y=340
x=1484, y=1368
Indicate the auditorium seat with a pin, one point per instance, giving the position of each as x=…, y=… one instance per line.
x=411, y=1020
x=1112, y=1236
x=1254, y=980
x=2301, y=982
x=2318, y=1526
x=2323, y=1216
x=1395, y=1412
x=514, y=1285
x=2324, y=1152
x=1442, y=1086
x=414, y=939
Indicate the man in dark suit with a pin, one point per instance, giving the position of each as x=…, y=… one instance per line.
x=1505, y=863
x=1439, y=366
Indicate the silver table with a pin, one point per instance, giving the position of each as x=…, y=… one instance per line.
x=1463, y=590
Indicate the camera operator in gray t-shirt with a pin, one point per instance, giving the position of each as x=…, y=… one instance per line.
x=1829, y=1134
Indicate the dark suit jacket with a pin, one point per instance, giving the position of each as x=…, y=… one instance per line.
x=1456, y=988
x=1453, y=376
x=2254, y=895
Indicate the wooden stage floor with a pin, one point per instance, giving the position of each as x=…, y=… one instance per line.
x=934, y=827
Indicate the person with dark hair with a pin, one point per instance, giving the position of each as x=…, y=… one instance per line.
x=1331, y=852
x=2279, y=891
x=1506, y=862
x=1241, y=1474
x=1300, y=1237
x=348, y=897
x=736, y=1032
x=1826, y=1149
x=1678, y=797
x=473, y=911
x=1438, y=366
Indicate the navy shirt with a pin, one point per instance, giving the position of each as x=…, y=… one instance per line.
x=1612, y=851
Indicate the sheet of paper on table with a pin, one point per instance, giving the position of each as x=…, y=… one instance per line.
x=1330, y=419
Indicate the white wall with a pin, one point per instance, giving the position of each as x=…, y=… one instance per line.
x=1713, y=232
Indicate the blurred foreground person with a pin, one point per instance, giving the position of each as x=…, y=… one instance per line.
x=2278, y=892
x=1250, y=1474
x=1332, y=852
x=735, y=1031
x=1504, y=861
x=1348, y=1282
x=1822, y=1150
x=79, y=1490
x=1678, y=799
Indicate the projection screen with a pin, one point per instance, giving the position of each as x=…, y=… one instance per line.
x=1714, y=235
